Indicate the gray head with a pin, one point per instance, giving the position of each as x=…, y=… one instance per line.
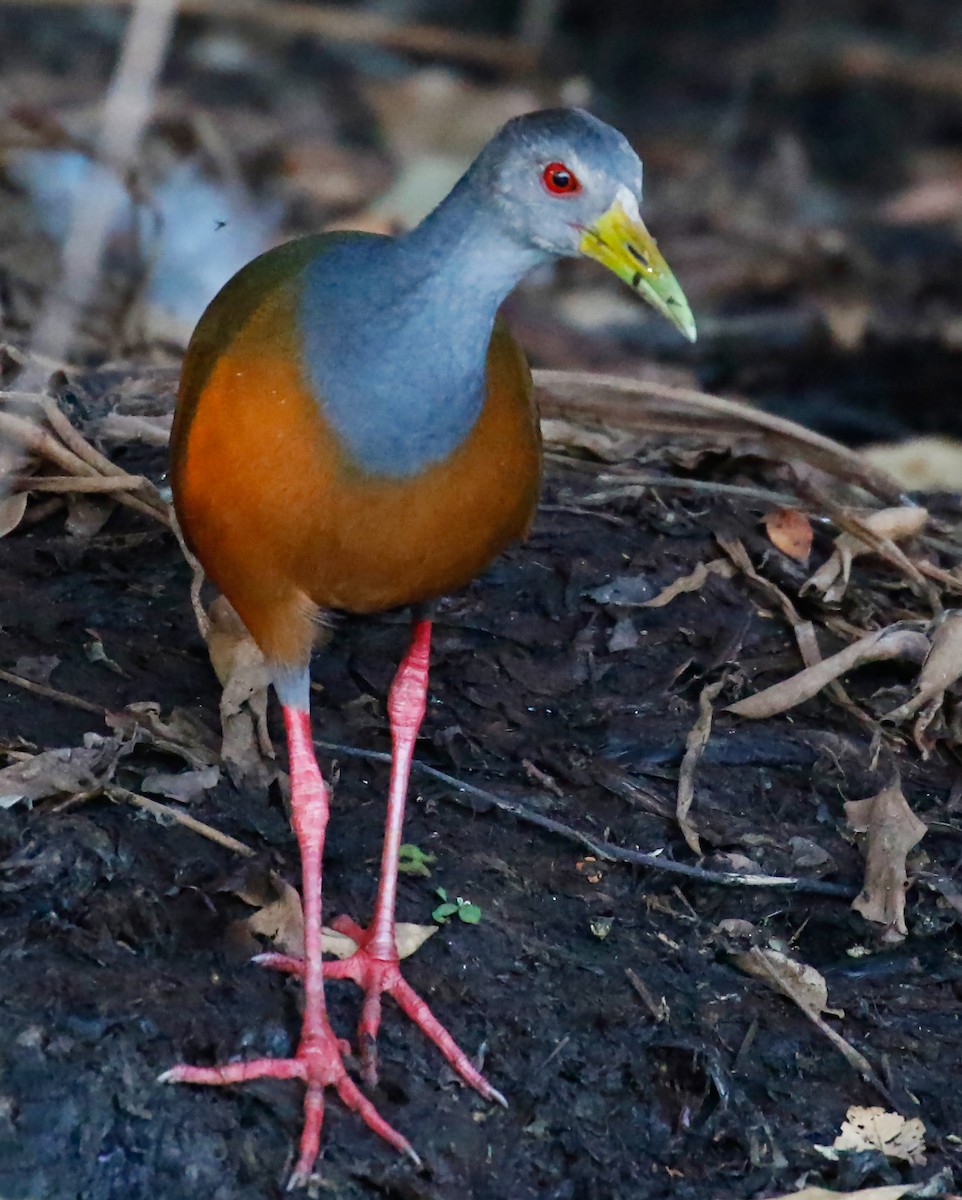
x=551, y=174
x=564, y=182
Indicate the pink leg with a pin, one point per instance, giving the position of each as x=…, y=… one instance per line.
x=374, y=967
x=318, y=1060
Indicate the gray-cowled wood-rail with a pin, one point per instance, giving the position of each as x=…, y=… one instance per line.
x=355, y=430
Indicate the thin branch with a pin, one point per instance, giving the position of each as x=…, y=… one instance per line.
x=660, y=408
x=127, y=107
x=74, y=483
x=605, y=849
x=341, y=25
x=164, y=812
x=52, y=693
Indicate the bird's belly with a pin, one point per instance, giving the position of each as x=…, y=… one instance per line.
x=284, y=524
x=399, y=544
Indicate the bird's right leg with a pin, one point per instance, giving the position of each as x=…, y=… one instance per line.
x=319, y=1058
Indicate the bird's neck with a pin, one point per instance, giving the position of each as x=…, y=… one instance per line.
x=397, y=332
x=462, y=258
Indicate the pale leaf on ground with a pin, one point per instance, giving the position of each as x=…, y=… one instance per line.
x=693, y=582
x=87, y=515
x=282, y=921
x=695, y=744
x=239, y=665
x=921, y=464
x=942, y=667
x=875, y=1129
x=408, y=938
x=12, y=509
x=185, y=786
x=806, y=987
x=891, y=830
x=63, y=771
x=800, y=982
x=893, y=642
x=181, y=733
x=891, y=524
x=892, y=1191
x=790, y=531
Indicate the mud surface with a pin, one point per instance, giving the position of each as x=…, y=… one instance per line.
x=118, y=935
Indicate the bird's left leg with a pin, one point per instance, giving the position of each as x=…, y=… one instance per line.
x=374, y=965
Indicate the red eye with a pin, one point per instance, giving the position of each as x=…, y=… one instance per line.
x=560, y=180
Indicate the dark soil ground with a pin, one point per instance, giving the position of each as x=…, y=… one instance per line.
x=772, y=164
x=117, y=933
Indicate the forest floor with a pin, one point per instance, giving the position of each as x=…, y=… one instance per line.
x=629, y=985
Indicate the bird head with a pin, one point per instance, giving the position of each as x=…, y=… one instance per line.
x=568, y=184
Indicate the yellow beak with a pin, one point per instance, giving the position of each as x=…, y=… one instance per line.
x=620, y=242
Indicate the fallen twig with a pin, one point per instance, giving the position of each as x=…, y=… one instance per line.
x=695, y=745
x=602, y=848
x=660, y=408
x=164, y=812
x=52, y=693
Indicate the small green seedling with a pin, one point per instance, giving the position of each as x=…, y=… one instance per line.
x=412, y=860
x=469, y=913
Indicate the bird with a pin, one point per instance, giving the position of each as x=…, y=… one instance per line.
x=356, y=431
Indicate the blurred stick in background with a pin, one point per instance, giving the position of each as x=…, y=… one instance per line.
x=127, y=108
x=350, y=25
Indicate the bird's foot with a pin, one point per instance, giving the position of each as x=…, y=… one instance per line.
x=319, y=1063
x=376, y=972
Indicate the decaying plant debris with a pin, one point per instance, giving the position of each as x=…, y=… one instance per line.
x=619, y=802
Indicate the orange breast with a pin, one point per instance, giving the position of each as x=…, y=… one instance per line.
x=285, y=525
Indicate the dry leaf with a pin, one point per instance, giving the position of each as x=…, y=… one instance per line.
x=87, y=515
x=942, y=667
x=875, y=1129
x=891, y=830
x=62, y=771
x=239, y=665
x=606, y=445
x=621, y=403
x=185, y=786
x=282, y=920
x=37, y=668
x=888, y=1192
x=693, y=582
x=798, y=981
x=410, y=938
x=407, y=937
x=921, y=464
x=790, y=531
x=695, y=744
x=805, y=986
x=181, y=733
x=12, y=509
x=892, y=524
x=892, y=642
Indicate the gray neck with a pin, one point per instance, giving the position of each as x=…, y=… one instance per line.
x=396, y=332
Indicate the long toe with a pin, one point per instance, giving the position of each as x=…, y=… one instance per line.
x=242, y=1072
x=320, y=1064
x=375, y=976
x=413, y=1006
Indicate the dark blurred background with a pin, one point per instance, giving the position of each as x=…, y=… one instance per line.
x=803, y=158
